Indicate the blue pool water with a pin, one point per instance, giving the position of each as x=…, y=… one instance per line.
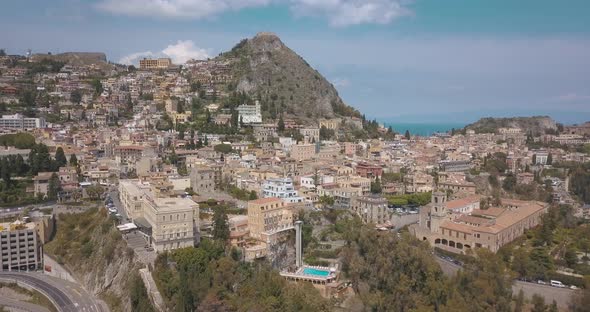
x=316, y=272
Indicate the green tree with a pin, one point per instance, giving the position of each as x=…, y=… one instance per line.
x=60, y=157
x=407, y=135
x=220, y=224
x=281, y=124
x=97, y=86
x=73, y=160
x=538, y=304
x=570, y=257
x=76, y=96
x=54, y=187
x=509, y=183
x=223, y=148
x=253, y=195
x=519, y=304
x=376, y=186
x=140, y=301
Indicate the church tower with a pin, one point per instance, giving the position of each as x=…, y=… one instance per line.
x=438, y=210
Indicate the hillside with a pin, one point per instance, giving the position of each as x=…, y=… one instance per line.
x=92, y=249
x=76, y=58
x=537, y=124
x=283, y=81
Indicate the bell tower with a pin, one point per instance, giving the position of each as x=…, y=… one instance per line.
x=438, y=210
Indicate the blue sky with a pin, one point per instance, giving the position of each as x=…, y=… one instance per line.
x=454, y=60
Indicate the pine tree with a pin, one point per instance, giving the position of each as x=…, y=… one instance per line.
x=281, y=124
x=220, y=224
x=54, y=187
x=407, y=135
x=60, y=157
x=73, y=160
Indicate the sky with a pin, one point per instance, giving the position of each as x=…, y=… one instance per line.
x=404, y=60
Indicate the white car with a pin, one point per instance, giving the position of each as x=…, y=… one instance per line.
x=557, y=284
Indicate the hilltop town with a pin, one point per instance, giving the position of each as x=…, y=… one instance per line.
x=184, y=172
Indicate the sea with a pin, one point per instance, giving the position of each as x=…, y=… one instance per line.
x=423, y=129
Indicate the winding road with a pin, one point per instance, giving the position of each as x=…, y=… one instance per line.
x=66, y=296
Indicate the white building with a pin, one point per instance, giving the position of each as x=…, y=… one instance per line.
x=18, y=121
x=250, y=114
x=281, y=188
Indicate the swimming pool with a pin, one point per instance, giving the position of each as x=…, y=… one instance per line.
x=316, y=272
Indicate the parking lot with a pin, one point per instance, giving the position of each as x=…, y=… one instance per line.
x=135, y=239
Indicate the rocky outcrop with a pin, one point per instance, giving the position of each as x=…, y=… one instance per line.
x=284, y=82
x=536, y=125
x=92, y=249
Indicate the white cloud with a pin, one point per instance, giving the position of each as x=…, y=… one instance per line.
x=571, y=97
x=339, y=12
x=185, y=50
x=176, y=8
x=352, y=12
x=180, y=52
x=341, y=82
x=134, y=58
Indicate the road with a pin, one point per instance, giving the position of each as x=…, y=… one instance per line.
x=66, y=296
x=562, y=296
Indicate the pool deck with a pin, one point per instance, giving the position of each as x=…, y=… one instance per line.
x=299, y=275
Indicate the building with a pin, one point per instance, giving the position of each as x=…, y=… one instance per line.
x=301, y=152
x=202, y=179
x=20, y=247
x=267, y=217
x=20, y=122
x=149, y=64
x=168, y=222
x=281, y=188
x=250, y=114
x=41, y=183
x=371, y=209
x=491, y=228
x=454, y=165
x=367, y=170
x=310, y=135
x=173, y=222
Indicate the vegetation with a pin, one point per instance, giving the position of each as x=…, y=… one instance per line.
x=21, y=140
x=210, y=278
x=399, y=274
x=417, y=199
x=89, y=244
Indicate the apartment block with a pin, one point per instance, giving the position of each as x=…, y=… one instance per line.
x=20, y=247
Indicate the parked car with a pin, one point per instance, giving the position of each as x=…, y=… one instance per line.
x=557, y=284
x=573, y=287
x=541, y=282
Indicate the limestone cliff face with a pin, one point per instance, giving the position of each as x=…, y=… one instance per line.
x=92, y=249
x=284, y=81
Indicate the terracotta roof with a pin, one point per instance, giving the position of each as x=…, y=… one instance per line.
x=458, y=203
x=491, y=212
x=457, y=227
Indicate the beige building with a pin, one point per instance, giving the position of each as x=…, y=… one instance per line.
x=173, y=222
x=371, y=209
x=267, y=217
x=202, y=179
x=301, y=152
x=149, y=64
x=491, y=228
x=169, y=222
